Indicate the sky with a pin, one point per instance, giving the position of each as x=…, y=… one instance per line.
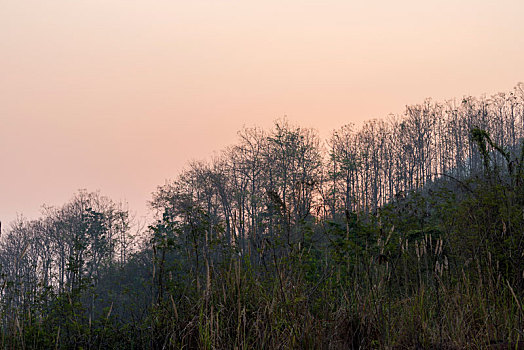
x=119, y=95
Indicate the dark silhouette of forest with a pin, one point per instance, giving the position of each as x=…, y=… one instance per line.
x=404, y=233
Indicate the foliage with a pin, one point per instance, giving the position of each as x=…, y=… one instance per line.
x=407, y=234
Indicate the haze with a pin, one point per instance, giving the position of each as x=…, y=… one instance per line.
x=120, y=95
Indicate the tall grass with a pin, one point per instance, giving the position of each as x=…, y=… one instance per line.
x=396, y=294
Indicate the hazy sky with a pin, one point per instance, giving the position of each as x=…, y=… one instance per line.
x=118, y=95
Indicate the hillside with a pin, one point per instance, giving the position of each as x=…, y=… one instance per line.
x=405, y=233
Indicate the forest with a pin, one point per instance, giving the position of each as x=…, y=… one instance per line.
x=406, y=232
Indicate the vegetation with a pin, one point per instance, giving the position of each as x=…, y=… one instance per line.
x=405, y=233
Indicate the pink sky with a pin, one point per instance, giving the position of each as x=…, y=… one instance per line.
x=118, y=95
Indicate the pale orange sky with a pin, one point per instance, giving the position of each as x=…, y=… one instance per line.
x=118, y=95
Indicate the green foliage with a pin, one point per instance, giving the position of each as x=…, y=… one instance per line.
x=438, y=267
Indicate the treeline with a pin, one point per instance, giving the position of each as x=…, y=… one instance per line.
x=286, y=176
x=405, y=232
